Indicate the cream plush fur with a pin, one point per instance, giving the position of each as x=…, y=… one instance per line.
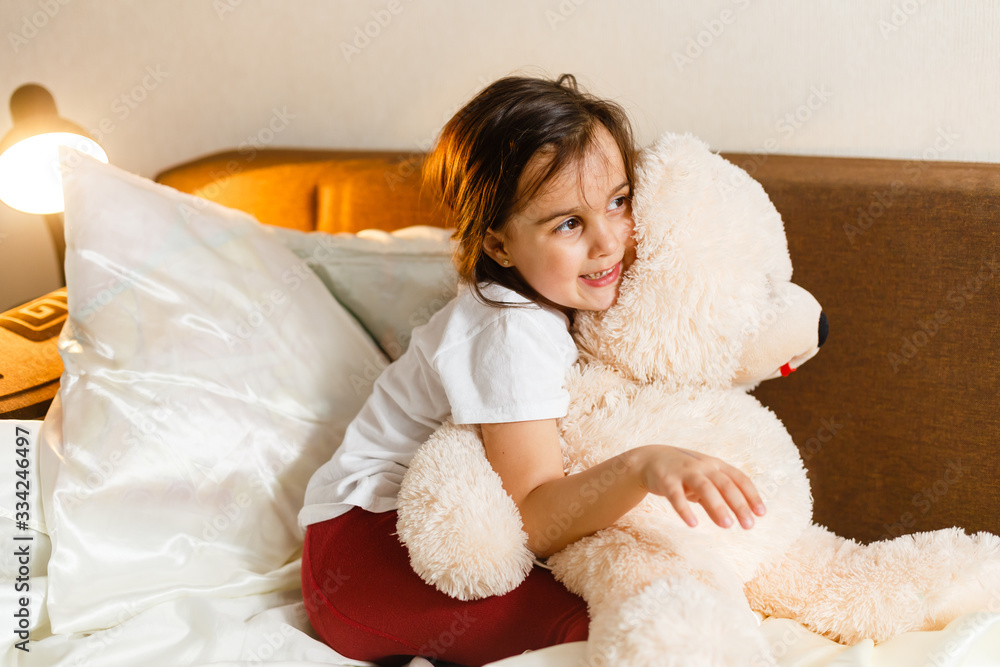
x=705, y=313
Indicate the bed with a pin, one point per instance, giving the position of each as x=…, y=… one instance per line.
x=197, y=562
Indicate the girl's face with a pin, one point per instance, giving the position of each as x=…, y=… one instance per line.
x=573, y=239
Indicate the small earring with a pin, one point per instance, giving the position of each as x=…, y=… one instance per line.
x=506, y=262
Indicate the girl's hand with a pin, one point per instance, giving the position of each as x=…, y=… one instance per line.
x=680, y=475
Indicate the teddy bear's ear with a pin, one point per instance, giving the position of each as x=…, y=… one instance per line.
x=709, y=243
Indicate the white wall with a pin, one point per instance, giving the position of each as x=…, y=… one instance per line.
x=162, y=81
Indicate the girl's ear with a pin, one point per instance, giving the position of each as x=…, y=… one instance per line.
x=493, y=246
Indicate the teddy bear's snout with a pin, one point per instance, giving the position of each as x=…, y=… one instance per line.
x=793, y=329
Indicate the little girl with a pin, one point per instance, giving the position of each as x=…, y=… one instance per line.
x=539, y=177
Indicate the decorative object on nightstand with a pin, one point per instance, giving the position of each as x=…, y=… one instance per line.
x=30, y=367
x=29, y=158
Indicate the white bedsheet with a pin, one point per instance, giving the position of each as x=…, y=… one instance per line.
x=971, y=641
x=272, y=629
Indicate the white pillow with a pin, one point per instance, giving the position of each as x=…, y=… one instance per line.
x=208, y=373
x=390, y=281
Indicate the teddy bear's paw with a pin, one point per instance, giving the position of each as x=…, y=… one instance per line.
x=917, y=582
x=967, y=575
x=463, y=532
x=674, y=623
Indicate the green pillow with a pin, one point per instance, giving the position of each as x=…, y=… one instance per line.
x=390, y=281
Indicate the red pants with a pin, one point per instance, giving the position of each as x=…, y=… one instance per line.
x=367, y=603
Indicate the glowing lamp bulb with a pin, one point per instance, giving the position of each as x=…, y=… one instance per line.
x=29, y=171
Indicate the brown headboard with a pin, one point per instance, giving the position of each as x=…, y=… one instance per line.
x=897, y=417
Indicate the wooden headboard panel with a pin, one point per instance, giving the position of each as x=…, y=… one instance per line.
x=310, y=190
x=897, y=417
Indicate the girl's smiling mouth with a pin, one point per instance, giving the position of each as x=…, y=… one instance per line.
x=602, y=278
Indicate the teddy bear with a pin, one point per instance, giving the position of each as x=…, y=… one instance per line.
x=705, y=313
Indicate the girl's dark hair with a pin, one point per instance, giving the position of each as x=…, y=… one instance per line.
x=479, y=158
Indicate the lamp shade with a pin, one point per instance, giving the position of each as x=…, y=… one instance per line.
x=29, y=153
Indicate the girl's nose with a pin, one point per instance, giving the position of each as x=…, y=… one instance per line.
x=605, y=240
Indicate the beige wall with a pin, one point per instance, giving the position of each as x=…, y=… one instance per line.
x=162, y=81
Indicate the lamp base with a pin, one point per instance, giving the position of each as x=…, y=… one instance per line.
x=54, y=221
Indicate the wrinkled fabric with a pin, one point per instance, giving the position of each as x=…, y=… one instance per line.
x=970, y=641
x=208, y=373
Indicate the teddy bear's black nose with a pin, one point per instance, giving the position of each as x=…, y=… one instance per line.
x=824, y=328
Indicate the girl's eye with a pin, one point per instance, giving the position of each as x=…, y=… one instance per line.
x=617, y=202
x=568, y=225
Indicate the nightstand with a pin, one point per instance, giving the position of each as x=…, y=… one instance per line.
x=30, y=365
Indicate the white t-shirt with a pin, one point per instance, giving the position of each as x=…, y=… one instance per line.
x=478, y=364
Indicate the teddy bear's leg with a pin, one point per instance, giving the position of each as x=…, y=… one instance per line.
x=653, y=603
x=676, y=622
x=849, y=592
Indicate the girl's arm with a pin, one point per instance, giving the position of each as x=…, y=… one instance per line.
x=557, y=510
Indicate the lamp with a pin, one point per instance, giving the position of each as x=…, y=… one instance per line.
x=29, y=158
